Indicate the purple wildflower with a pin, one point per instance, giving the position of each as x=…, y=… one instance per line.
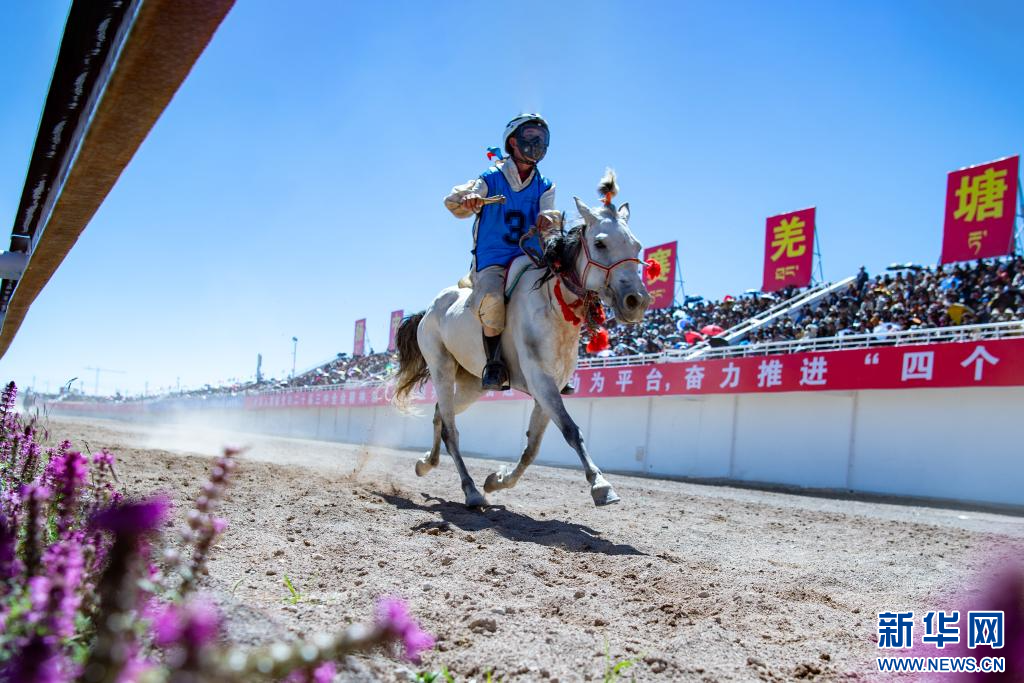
x=192, y=625
x=9, y=564
x=321, y=674
x=102, y=459
x=185, y=632
x=393, y=616
x=33, y=497
x=203, y=528
x=37, y=661
x=65, y=474
x=64, y=564
x=133, y=519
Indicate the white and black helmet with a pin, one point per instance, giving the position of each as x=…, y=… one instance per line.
x=518, y=122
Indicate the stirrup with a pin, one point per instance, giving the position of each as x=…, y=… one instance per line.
x=495, y=383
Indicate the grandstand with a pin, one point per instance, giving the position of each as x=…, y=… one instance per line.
x=909, y=304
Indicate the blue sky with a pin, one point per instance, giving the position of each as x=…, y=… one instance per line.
x=294, y=184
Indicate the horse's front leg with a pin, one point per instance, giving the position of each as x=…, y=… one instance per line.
x=432, y=457
x=506, y=478
x=548, y=396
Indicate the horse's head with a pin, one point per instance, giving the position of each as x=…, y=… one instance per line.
x=609, y=261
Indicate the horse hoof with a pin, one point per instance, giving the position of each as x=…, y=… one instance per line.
x=491, y=483
x=604, y=495
x=422, y=467
x=476, y=500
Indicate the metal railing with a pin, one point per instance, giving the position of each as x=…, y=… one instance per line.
x=810, y=297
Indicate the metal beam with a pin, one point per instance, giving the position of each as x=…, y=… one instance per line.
x=119, y=65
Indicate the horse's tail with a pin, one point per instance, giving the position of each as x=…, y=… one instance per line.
x=412, y=367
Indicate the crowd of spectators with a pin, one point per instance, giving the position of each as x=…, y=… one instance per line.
x=346, y=369
x=683, y=325
x=909, y=297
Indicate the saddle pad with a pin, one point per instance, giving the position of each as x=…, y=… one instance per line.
x=515, y=273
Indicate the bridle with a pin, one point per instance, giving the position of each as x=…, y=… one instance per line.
x=591, y=263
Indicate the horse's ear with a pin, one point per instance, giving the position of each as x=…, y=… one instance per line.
x=624, y=212
x=585, y=212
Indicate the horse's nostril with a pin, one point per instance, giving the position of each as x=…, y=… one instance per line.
x=632, y=301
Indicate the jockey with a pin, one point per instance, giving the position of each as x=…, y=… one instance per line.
x=529, y=202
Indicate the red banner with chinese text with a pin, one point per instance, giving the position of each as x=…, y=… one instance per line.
x=359, y=345
x=789, y=250
x=663, y=287
x=984, y=363
x=981, y=203
x=396, y=321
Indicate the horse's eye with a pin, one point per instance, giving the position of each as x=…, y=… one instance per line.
x=599, y=244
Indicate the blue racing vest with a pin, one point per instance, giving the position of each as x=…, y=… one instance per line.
x=499, y=226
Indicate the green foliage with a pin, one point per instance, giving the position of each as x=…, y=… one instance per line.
x=441, y=676
x=612, y=672
x=295, y=595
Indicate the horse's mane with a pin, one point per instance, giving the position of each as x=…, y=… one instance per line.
x=561, y=249
x=560, y=252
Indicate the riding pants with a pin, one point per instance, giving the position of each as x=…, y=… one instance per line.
x=488, y=297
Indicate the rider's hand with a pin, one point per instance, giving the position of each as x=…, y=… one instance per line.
x=544, y=224
x=472, y=202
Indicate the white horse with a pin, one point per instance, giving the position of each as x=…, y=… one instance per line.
x=540, y=342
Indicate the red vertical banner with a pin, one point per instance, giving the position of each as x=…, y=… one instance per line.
x=789, y=250
x=359, y=345
x=396, y=320
x=980, y=205
x=663, y=287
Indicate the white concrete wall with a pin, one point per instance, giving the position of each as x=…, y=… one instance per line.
x=958, y=444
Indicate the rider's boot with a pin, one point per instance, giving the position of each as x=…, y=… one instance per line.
x=495, y=374
x=568, y=390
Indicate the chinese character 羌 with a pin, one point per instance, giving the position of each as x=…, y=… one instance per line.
x=918, y=365
x=940, y=629
x=981, y=196
x=813, y=371
x=789, y=237
x=783, y=272
x=769, y=373
x=985, y=628
x=895, y=629
x=661, y=256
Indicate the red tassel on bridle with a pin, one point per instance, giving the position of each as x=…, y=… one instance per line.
x=598, y=341
x=652, y=269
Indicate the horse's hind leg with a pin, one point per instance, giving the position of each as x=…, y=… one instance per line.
x=467, y=392
x=547, y=395
x=506, y=478
x=443, y=370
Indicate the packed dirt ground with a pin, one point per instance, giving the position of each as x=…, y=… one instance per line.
x=692, y=582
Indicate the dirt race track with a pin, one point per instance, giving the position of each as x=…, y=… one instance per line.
x=697, y=583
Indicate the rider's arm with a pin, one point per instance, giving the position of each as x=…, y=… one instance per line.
x=453, y=202
x=548, y=211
